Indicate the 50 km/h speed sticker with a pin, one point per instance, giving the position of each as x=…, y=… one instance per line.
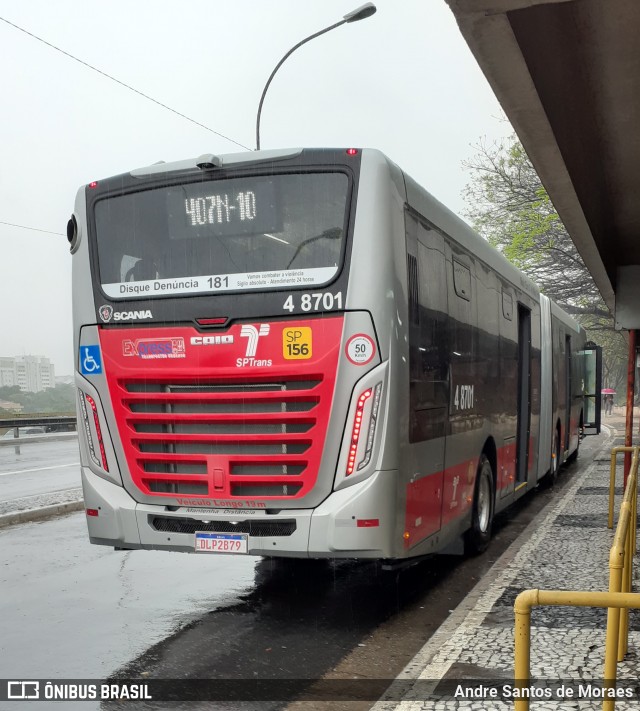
x=360, y=349
x=297, y=343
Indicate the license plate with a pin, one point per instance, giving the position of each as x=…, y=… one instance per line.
x=208, y=542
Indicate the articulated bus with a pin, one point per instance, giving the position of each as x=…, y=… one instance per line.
x=301, y=353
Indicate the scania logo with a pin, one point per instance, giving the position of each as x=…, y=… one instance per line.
x=131, y=315
x=106, y=312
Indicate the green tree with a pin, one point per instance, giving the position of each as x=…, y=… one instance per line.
x=10, y=392
x=510, y=208
x=59, y=400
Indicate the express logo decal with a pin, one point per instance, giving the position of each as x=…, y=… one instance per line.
x=154, y=348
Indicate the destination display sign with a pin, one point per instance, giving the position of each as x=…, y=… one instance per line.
x=219, y=283
x=231, y=234
x=228, y=208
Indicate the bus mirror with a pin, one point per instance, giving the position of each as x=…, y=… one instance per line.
x=592, y=387
x=72, y=232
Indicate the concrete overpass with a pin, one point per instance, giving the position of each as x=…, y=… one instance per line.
x=567, y=73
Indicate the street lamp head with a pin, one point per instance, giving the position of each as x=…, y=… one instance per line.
x=360, y=13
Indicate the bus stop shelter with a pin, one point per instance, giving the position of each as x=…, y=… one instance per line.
x=567, y=74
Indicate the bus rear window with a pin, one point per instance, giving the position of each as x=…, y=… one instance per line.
x=234, y=234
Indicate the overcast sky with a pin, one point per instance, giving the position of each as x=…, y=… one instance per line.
x=402, y=81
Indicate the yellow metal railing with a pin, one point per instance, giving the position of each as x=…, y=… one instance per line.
x=532, y=598
x=623, y=549
x=612, y=478
x=618, y=600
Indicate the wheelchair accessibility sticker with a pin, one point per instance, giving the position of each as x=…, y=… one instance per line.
x=90, y=362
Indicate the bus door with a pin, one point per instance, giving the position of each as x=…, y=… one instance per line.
x=568, y=389
x=428, y=388
x=507, y=401
x=591, y=375
x=464, y=437
x=524, y=395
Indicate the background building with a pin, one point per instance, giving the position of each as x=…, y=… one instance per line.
x=30, y=373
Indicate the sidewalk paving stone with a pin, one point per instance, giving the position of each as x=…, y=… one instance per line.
x=569, y=550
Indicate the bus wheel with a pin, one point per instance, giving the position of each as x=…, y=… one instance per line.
x=551, y=476
x=574, y=455
x=555, y=464
x=478, y=536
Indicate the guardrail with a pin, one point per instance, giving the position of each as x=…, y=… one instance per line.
x=50, y=423
x=618, y=600
x=37, y=421
x=37, y=439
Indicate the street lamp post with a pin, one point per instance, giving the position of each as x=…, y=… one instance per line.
x=359, y=13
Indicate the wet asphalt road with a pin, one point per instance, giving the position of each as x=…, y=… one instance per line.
x=39, y=468
x=72, y=610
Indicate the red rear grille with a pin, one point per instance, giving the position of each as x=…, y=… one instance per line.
x=244, y=417
x=227, y=438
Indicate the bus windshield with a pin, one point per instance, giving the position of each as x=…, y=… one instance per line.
x=231, y=234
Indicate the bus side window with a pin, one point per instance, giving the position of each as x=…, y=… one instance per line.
x=462, y=314
x=462, y=280
x=428, y=348
x=507, y=306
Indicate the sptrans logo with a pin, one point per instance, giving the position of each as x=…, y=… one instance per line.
x=253, y=334
x=154, y=348
x=107, y=313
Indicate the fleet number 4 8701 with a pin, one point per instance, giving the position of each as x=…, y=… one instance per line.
x=463, y=397
x=323, y=301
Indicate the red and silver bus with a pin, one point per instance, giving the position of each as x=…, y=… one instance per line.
x=302, y=353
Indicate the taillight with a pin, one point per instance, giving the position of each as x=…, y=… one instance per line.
x=358, y=425
x=373, y=420
x=87, y=427
x=96, y=421
x=98, y=430
x=355, y=433
x=218, y=321
x=367, y=522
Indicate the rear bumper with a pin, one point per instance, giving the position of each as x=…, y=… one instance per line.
x=343, y=526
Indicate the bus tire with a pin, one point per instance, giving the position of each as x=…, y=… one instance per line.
x=552, y=476
x=476, y=539
x=574, y=455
